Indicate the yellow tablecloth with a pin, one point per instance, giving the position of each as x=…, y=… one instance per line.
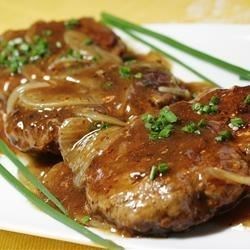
x=21, y=13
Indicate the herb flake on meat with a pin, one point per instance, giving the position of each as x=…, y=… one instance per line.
x=160, y=126
x=193, y=128
x=71, y=24
x=210, y=108
x=223, y=136
x=157, y=170
x=236, y=122
x=247, y=100
x=15, y=53
x=125, y=72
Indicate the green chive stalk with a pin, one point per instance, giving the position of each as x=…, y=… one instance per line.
x=55, y=213
x=30, y=177
x=173, y=58
x=125, y=25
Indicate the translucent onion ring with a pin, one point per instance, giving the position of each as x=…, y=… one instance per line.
x=95, y=116
x=70, y=102
x=74, y=40
x=16, y=94
x=176, y=91
x=79, y=146
x=228, y=176
x=19, y=95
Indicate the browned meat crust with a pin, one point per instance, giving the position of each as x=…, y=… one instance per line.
x=101, y=36
x=118, y=184
x=98, y=81
x=84, y=70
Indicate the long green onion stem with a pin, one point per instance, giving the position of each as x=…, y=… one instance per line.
x=123, y=24
x=55, y=213
x=30, y=177
x=172, y=58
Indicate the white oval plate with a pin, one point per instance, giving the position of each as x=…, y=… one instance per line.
x=229, y=42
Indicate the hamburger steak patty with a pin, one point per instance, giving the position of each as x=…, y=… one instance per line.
x=119, y=188
x=54, y=44
x=36, y=129
x=79, y=65
x=74, y=89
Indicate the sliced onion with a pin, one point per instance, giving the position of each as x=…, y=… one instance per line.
x=60, y=60
x=33, y=102
x=71, y=131
x=176, y=91
x=95, y=116
x=75, y=40
x=67, y=62
x=53, y=96
x=87, y=79
x=79, y=148
x=203, y=94
x=15, y=95
x=229, y=176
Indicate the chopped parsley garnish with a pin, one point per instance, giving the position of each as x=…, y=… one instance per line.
x=214, y=100
x=47, y=32
x=125, y=72
x=15, y=53
x=85, y=219
x=202, y=123
x=210, y=108
x=193, y=128
x=138, y=75
x=38, y=49
x=159, y=126
x=107, y=85
x=97, y=57
x=71, y=24
x=157, y=170
x=74, y=54
x=163, y=168
x=247, y=100
x=223, y=136
x=79, y=55
x=88, y=41
x=236, y=122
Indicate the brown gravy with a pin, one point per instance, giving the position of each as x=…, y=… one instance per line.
x=73, y=199
x=48, y=166
x=58, y=178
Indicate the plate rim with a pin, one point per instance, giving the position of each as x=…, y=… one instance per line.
x=151, y=25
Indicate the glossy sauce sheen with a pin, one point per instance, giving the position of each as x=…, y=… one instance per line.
x=188, y=192
x=96, y=83
x=63, y=83
x=75, y=202
x=59, y=178
x=59, y=181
